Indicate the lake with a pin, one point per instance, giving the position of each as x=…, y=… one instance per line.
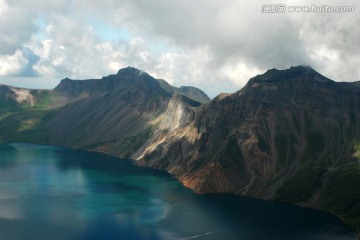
x=56, y=193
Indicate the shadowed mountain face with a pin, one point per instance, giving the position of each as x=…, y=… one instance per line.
x=115, y=114
x=290, y=135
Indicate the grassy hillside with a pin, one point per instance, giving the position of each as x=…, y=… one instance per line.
x=25, y=122
x=25, y=125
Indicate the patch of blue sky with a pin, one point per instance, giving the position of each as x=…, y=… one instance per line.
x=108, y=32
x=41, y=23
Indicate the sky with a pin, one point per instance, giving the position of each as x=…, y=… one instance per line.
x=215, y=45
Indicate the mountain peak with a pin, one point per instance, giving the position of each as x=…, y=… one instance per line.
x=300, y=68
x=296, y=72
x=293, y=71
x=130, y=70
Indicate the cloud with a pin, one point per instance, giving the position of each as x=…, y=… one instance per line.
x=332, y=43
x=231, y=29
x=214, y=45
x=10, y=64
x=19, y=64
x=16, y=28
x=27, y=69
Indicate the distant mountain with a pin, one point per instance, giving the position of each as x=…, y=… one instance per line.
x=126, y=78
x=188, y=91
x=290, y=135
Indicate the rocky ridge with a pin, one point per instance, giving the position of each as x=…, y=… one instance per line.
x=287, y=135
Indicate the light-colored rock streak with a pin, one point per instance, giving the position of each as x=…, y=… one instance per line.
x=23, y=95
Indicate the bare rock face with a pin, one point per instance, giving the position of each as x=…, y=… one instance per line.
x=284, y=136
x=178, y=113
x=192, y=93
x=16, y=95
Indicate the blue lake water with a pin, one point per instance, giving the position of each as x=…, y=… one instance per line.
x=56, y=193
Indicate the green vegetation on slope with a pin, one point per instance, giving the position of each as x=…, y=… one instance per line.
x=23, y=123
x=341, y=194
x=6, y=106
x=42, y=99
x=357, y=150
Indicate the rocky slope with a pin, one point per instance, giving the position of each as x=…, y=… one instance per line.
x=290, y=135
x=287, y=135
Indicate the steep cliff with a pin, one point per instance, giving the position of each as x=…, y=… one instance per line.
x=288, y=135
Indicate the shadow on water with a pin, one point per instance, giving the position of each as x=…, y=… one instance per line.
x=68, y=159
x=108, y=171
x=248, y=218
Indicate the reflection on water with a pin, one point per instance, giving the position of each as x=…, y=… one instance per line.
x=55, y=193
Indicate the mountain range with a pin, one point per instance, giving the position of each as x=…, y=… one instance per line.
x=289, y=135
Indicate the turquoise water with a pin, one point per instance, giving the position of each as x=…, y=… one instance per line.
x=56, y=193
